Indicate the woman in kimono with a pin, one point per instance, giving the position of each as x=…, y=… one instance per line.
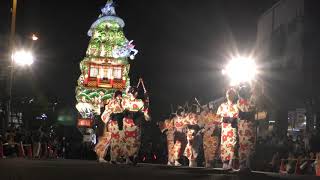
x=193, y=138
x=135, y=111
x=211, y=136
x=180, y=138
x=167, y=128
x=228, y=112
x=246, y=126
x=113, y=117
x=103, y=145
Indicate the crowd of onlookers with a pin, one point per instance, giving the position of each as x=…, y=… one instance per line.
x=288, y=154
x=38, y=143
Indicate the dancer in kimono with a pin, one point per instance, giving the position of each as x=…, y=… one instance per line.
x=211, y=136
x=135, y=111
x=246, y=125
x=180, y=139
x=228, y=112
x=113, y=117
x=193, y=138
x=102, y=147
x=167, y=128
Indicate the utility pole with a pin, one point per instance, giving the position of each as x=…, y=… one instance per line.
x=11, y=50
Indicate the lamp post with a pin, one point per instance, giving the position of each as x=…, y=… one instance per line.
x=20, y=58
x=11, y=49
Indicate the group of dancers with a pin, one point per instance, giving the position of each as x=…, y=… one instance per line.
x=230, y=133
x=122, y=117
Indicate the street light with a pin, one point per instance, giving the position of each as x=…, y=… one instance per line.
x=23, y=58
x=34, y=37
x=240, y=69
x=20, y=58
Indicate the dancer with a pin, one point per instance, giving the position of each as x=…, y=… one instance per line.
x=246, y=126
x=113, y=117
x=180, y=139
x=228, y=112
x=102, y=147
x=167, y=128
x=135, y=111
x=211, y=135
x=193, y=138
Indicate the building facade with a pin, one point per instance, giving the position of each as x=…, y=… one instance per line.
x=286, y=37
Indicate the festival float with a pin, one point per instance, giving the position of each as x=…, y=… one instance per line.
x=105, y=67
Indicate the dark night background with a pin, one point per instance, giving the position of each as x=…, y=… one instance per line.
x=182, y=44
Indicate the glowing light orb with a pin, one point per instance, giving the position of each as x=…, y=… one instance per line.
x=240, y=69
x=23, y=58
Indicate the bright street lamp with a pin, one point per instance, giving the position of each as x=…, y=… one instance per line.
x=34, y=37
x=23, y=57
x=240, y=69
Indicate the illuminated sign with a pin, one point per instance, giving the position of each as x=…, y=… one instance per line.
x=85, y=122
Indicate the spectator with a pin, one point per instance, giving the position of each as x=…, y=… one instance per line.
x=317, y=164
x=289, y=143
x=291, y=163
x=63, y=148
x=275, y=162
x=307, y=165
x=306, y=141
x=1, y=147
x=298, y=146
x=88, y=141
x=314, y=142
x=36, y=137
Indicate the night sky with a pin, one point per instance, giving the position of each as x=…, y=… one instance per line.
x=182, y=44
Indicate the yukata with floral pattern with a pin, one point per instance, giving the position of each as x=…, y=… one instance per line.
x=211, y=136
x=180, y=139
x=103, y=145
x=135, y=111
x=168, y=130
x=246, y=130
x=113, y=116
x=228, y=111
x=192, y=148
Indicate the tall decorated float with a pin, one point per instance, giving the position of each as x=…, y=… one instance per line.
x=105, y=67
x=104, y=82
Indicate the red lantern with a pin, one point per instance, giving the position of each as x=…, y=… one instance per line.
x=86, y=79
x=124, y=81
x=98, y=80
x=111, y=81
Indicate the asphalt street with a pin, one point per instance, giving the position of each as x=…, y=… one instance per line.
x=23, y=169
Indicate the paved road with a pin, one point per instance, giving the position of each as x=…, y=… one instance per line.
x=22, y=169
